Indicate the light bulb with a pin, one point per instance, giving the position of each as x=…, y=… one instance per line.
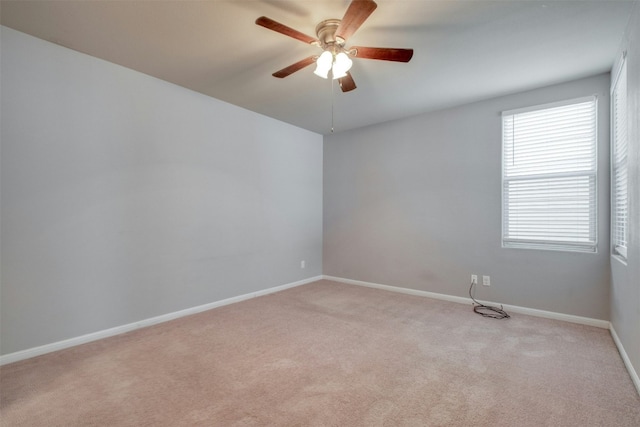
x=341, y=65
x=323, y=64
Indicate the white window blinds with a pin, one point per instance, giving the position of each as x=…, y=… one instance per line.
x=549, y=177
x=619, y=204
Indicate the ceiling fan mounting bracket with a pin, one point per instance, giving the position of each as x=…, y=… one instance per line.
x=326, y=32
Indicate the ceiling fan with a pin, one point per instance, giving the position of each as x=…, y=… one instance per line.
x=332, y=34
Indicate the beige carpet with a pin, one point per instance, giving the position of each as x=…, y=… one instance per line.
x=328, y=354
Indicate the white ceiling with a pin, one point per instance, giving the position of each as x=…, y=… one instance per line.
x=463, y=50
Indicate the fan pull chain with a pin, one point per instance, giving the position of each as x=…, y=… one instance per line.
x=332, y=105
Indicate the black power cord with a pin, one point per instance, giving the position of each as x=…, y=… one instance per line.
x=487, y=310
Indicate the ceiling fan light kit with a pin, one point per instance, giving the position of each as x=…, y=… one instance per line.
x=332, y=34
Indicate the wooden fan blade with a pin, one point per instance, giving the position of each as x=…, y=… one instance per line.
x=346, y=83
x=383, y=53
x=357, y=12
x=294, y=67
x=270, y=24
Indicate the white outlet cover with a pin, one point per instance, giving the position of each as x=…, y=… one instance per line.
x=486, y=280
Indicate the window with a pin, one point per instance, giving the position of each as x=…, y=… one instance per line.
x=549, y=176
x=619, y=206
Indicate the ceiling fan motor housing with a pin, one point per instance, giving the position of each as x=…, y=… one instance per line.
x=326, y=32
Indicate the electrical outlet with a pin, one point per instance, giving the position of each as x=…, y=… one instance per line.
x=474, y=279
x=486, y=280
x=303, y=264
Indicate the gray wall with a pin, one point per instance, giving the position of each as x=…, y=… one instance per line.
x=625, y=293
x=125, y=197
x=416, y=203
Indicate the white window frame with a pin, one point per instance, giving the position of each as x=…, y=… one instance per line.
x=619, y=166
x=547, y=243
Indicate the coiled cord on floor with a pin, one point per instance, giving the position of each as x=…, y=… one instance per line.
x=487, y=310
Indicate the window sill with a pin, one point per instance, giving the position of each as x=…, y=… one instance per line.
x=619, y=258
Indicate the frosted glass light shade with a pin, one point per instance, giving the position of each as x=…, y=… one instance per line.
x=341, y=65
x=323, y=64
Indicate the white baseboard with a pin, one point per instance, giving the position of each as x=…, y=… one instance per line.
x=625, y=359
x=71, y=342
x=463, y=300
